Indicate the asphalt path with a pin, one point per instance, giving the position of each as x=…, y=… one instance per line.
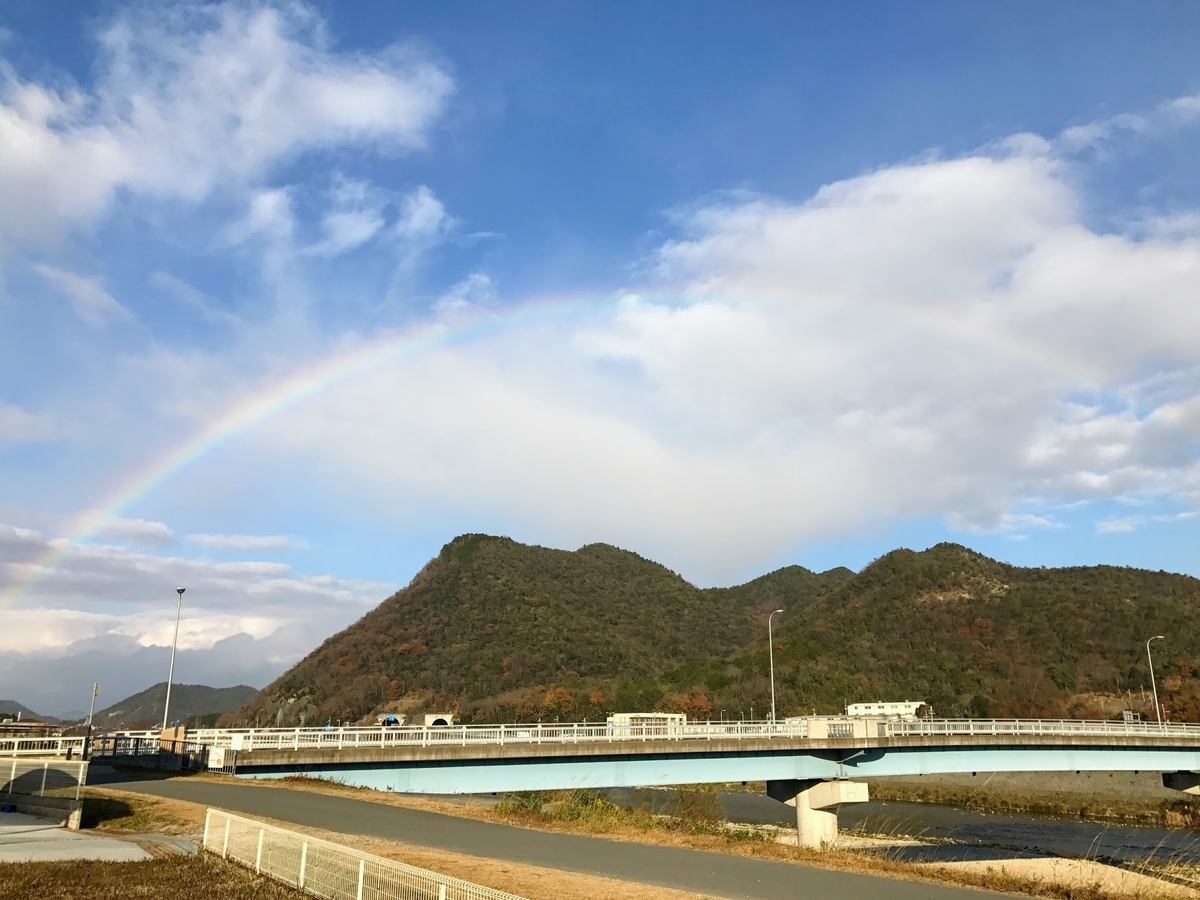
x=717, y=874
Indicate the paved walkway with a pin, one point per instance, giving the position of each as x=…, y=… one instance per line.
x=715, y=874
x=26, y=839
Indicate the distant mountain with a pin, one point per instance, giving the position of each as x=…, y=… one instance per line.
x=12, y=708
x=193, y=704
x=500, y=631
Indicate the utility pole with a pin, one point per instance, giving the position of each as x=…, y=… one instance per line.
x=174, y=644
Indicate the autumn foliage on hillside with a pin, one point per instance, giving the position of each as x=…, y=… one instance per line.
x=500, y=631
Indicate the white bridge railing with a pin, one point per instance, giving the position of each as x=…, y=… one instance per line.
x=41, y=746
x=1050, y=727
x=817, y=727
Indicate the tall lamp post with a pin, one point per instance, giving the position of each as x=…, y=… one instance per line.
x=174, y=644
x=1153, y=686
x=771, y=651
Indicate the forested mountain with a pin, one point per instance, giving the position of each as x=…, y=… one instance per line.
x=498, y=631
x=195, y=704
x=13, y=708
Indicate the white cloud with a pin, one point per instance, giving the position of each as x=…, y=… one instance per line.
x=20, y=426
x=354, y=217
x=194, y=300
x=268, y=218
x=140, y=531
x=474, y=294
x=107, y=599
x=423, y=224
x=1167, y=116
x=248, y=541
x=941, y=338
x=190, y=97
x=91, y=303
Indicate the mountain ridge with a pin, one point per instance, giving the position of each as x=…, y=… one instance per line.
x=502, y=631
x=194, y=704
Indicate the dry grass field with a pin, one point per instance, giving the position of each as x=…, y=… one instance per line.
x=200, y=877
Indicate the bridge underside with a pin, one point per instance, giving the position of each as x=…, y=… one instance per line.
x=533, y=773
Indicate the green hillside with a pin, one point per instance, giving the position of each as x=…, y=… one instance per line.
x=501, y=631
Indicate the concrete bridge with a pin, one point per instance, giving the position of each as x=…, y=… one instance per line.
x=811, y=763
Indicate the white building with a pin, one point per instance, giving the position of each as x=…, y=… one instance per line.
x=635, y=721
x=903, y=709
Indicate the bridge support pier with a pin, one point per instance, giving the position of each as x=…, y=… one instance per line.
x=1188, y=782
x=816, y=825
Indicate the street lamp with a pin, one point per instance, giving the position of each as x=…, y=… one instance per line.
x=1153, y=686
x=771, y=651
x=174, y=644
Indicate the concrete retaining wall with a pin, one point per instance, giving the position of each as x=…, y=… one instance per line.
x=64, y=811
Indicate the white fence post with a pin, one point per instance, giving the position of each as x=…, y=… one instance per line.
x=45, y=772
x=441, y=892
x=303, y=863
x=13, y=777
x=258, y=854
x=225, y=846
x=362, y=869
x=207, y=816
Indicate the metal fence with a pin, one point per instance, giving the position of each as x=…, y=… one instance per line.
x=585, y=733
x=37, y=777
x=154, y=752
x=330, y=870
x=13, y=745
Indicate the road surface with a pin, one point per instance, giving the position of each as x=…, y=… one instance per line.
x=716, y=874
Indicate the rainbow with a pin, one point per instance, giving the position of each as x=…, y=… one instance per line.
x=281, y=395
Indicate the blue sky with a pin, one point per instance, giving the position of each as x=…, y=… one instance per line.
x=734, y=287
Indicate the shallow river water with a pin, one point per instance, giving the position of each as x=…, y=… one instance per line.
x=959, y=833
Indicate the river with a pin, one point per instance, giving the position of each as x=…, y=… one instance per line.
x=957, y=834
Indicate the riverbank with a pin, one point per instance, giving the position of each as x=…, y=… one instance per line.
x=1136, y=798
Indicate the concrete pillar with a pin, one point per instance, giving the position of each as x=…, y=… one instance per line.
x=816, y=825
x=1188, y=782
